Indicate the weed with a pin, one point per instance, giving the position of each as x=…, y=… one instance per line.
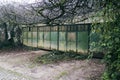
x=56, y=56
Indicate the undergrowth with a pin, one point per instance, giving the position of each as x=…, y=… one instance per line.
x=11, y=48
x=57, y=56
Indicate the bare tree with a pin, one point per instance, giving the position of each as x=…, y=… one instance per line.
x=61, y=10
x=9, y=18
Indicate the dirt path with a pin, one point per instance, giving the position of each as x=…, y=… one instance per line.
x=70, y=70
x=10, y=75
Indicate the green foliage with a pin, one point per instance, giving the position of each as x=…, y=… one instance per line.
x=6, y=44
x=56, y=56
x=109, y=32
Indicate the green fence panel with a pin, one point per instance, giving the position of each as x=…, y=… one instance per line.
x=82, y=41
x=40, y=39
x=71, y=41
x=29, y=38
x=24, y=36
x=62, y=41
x=34, y=39
x=47, y=40
x=54, y=40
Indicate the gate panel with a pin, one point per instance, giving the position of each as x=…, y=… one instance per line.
x=62, y=38
x=82, y=38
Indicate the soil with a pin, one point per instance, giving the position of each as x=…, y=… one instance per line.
x=22, y=62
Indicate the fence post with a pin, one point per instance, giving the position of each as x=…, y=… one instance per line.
x=89, y=30
x=22, y=34
x=50, y=37
x=27, y=33
x=76, y=38
x=66, y=36
x=43, y=37
x=58, y=38
x=37, y=36
x=32, y=36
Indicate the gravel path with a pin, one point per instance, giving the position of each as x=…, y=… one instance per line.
x=9, y=75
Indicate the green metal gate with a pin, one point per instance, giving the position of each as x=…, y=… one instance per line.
x=73, y=37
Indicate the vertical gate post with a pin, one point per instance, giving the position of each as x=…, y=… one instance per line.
x=57, y=37
x=27, y=33
x=22, y=34
x=50, y=37
x=89, y=30
x=43, y=36
x=37, y=36
x=66, y=36
x=76, y=38
x=32, y=35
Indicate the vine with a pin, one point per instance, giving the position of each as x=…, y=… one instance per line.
x=109, y=31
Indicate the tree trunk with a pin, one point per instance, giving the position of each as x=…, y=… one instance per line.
x=12, y=35
x=18, y=36
x=5, y=31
